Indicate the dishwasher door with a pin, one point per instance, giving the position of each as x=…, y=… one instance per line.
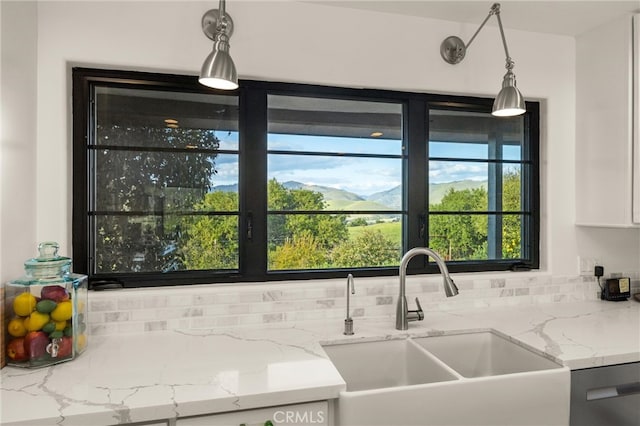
x=606, y=396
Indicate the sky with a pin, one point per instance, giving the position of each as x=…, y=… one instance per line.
x=362, y=176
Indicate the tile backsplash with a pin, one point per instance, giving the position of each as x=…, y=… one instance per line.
x=225, y=305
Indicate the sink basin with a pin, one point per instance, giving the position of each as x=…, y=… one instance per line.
x=384, y=364
x=463, y=379
x=484, y=354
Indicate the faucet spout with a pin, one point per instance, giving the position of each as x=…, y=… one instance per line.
x=348, y=322
x=403, y=315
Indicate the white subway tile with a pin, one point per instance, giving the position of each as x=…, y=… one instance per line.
x=142, y=310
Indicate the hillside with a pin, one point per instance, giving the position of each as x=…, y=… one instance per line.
x=339, y=199
x=330, y=194
x=438, y=190
x=393, y=197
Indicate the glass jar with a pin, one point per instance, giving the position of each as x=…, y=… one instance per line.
x=46, y=311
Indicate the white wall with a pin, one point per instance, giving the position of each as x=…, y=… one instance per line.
x=299, y=42
x=18, y=85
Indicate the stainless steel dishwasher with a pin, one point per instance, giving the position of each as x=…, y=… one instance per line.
x=606, y=396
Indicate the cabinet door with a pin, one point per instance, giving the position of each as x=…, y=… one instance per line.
x=312, y=413
x=606, y=183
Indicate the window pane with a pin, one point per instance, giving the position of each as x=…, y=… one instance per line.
x=334, y=155
x=512, y=152
x=476, y=163
x=324, y=241
x=343, y=145
x=458, y=150
x=468, y=173
x=458, y=186
x=476, y=237
x=304, y=241
x=466, y=190
x=339, y=183
x=165, y=243
x=374, y=240
x=367, y=127
x=161, y=181
x=164, y=119
x=163, y=162
x=459, y=237
x=474, y=135
x=512, y=237
x=473, y=151
x=512, y=187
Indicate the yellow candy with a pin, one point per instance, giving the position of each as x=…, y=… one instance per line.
x=16, y=327
x=24, y=304
x=63, y=311
x=36, y=321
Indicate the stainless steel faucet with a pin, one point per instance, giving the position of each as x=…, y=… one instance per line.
x=348, y=322
x=403, y=314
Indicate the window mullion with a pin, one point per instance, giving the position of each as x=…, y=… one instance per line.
x=253, y=183
x=416, y=231
x=494, y=189
x=531, y=185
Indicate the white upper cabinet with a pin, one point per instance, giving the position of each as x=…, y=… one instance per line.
x=607, y=120
x=636, y=118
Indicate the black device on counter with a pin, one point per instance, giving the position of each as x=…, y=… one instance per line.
x=616, y=289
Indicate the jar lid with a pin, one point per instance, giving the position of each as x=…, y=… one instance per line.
x=48, y=264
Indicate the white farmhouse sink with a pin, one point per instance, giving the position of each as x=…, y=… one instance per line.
x=386, y=364
x=484, y=354
x=463, y=379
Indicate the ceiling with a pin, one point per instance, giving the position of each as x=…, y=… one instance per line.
x=554, y=17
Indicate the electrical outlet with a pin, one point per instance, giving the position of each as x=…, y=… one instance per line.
x=586, y=265
x=583, y=265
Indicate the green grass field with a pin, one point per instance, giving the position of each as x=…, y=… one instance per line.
x=391, y=230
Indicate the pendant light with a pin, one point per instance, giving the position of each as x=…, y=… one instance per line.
x=218, y=70
x=509, y=101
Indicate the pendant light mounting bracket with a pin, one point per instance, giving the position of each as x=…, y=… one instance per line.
x=211, y=20
x=453, y=50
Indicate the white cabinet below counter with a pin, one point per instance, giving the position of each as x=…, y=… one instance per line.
x=313, y=413
x=607, y=125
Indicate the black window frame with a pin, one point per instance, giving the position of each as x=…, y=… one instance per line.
x=252, y=121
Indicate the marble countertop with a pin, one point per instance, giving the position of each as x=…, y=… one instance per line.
x=161, y=375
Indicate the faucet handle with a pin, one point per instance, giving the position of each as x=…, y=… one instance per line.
x=418, y=304
x=417, y=315
x=419, y=310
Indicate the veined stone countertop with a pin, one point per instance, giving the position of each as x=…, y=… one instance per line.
x=169, y=374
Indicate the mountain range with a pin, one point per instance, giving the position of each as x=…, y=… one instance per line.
x=339, y=199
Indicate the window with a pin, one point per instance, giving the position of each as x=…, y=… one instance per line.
x=481, y=171
x=175, y=183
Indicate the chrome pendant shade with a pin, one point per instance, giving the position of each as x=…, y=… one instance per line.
x=218, y=70
x=509, y=101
